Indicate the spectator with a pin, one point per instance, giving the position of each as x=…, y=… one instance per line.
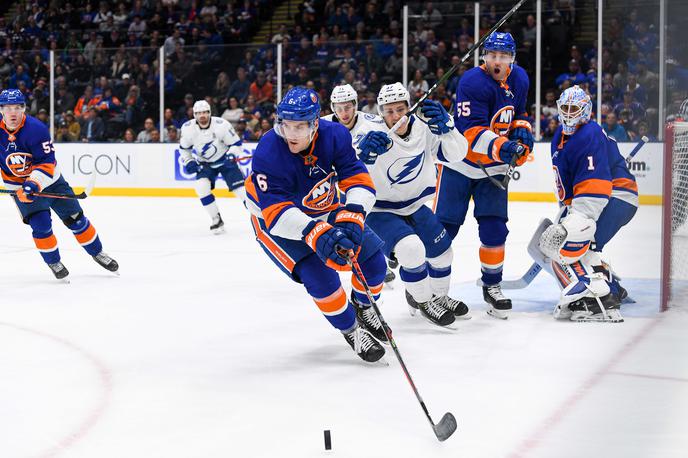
x=572, y=77
x=417, y=61
x=19, y=75
x=129, y=136
x=432, y=15
x=73, y=125
x=240, y=87
x=638, y=92
x=172, y=41
x=64, y=100
x=549, y=109
x=63, y=135
x=154, y=136
x=635, y=110
x=243, y=131
x=145, y=135
x=94, y=128
x=137, y=27
x=529, y=31
x=262, y=90
x=621, y=76
x=417, y=86
x=233, y=112
x=42, y=116
x=613, y=129
x=171, y=135
x=371, y=104
x=83, y=102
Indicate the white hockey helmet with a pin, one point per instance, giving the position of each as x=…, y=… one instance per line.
x=390, y=93
x=200, y=106
x=343, y=93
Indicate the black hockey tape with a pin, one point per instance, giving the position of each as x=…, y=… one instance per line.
x=328, y=440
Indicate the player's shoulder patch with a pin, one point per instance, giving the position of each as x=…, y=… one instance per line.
x=218, y=120
x=187, y=123
x=372, y=118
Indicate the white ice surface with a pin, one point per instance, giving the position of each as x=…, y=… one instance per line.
x=203, y=348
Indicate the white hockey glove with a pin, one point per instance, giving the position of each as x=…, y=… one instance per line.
x=569, y=240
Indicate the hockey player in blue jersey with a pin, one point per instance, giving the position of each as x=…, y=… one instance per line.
x=491, y=114
x=402, y=165
x=599, y=196
x=28, y=165
x=302, y=227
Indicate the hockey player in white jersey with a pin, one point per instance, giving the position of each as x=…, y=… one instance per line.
x=209, y=147
x=343, y=102
x=402, y=165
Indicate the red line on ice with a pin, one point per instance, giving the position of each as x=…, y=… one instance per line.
x=96, y=412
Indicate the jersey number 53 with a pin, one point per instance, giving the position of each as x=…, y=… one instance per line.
x=463, y=109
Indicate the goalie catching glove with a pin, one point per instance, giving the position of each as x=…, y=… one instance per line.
x=569, y=240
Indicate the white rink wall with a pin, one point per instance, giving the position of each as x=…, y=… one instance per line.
x=154, y=170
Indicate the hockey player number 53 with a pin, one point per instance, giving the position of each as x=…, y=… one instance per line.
x=48, y=147
x=262, y=181
x=463, y=109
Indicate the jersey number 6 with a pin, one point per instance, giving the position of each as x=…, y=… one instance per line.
x=262, y=181
x=463, y=109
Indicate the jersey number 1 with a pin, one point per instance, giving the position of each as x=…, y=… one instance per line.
x=591, y=166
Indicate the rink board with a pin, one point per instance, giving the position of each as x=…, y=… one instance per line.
x=155, y=170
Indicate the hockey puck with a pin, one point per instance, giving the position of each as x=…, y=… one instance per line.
x=328, y=440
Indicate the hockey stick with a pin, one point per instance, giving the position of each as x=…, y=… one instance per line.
x=504, y=184
x=87, y=191
x=635, y=150
x=455, y=67
x=447, y=425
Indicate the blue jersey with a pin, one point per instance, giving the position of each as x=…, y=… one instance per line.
x=589, y=170
x=288, y=190
x=27, y=153
x=485, y=109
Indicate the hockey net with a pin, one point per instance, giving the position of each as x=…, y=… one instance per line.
x=675, y=215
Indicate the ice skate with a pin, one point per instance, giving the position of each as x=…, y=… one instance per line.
x=596, y=309
x=499, y=304
x=218, y=226
x=392, y=262
x=364, y=344
x=432, y=310
x=369, y=320
x=104, y=260
x=60, y=271
x=457, y=307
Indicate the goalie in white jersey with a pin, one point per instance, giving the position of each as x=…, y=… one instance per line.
x=402, y=165
x=343, y=102
x=209, y=146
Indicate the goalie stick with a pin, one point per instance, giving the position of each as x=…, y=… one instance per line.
x=455, y=67
x=447, y=424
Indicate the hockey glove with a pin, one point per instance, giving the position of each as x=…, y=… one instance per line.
x=503, y=150
x=522, y=132
x=372, y=145
x=350, y=220
x=327, y=242
x=436, y=117
x=191, y=167
x=25, y=193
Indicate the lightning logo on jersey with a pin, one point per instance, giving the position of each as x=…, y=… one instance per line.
x=404, y=170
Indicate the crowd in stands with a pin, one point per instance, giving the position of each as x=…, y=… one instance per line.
x=107, y=60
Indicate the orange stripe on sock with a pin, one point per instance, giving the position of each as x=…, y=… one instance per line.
x=358, y=286
x=333, y=304
x=46, y=244
x=87, y=236
x=493, y=256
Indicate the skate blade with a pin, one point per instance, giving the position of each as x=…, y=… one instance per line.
x=219, y=231
x=498, y=314
x=628, y=300
x=389, y=284
x=65, y=280
x=451, y=326
x=598, y=318
x=465, y=317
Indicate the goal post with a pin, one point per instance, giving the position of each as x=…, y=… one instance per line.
x=674, y=274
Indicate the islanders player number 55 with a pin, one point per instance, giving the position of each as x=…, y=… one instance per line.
x=28, y=165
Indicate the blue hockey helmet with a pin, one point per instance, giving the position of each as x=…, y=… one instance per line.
x=574, y=107
x=299, y=104
x=500, y=41
x=12, y=97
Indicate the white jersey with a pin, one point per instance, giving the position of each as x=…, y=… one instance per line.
x=405, y=176
x=365, y=123
x=209, y=144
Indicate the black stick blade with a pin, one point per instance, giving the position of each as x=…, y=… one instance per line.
x=445, y=427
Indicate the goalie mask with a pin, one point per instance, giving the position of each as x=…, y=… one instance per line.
x=575, y=107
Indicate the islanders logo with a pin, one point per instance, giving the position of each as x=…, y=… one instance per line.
x=561, y=192
x=322, y=195
x=501, y=121
x=19, y=164
x=405, y=169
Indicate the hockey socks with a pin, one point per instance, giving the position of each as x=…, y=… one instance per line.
x=491, y=263
x=43, y=237
x=86, y=234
